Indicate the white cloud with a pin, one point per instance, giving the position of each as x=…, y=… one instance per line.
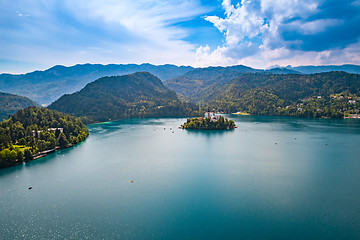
x=150, y=23
x=204, y=55
x=146, y=18
x=68, y=32
x=108, y=31
x=253, y=25
x=254, y=34
x=313, y=27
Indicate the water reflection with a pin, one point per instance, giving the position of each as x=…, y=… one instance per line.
x=208, y=132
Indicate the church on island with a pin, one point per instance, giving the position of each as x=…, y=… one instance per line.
x=211, y=116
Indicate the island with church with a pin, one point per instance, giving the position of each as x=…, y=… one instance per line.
x=210, y=121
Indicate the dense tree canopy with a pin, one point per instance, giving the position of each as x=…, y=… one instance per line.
x=330, y=95
x=222, y=89
x=34, y=130
x=135, y=95
x=207, y=124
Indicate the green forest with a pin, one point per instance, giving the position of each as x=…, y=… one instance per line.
x=134, y=95
x=207, y=124
x=34, y=130
x=323, y=95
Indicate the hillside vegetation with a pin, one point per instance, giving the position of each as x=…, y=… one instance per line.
x=200, y=82
x=134, y=95
x=46, y=86
x=10, y=104
x=333, y=95
x=33, y=130
x=329, y=95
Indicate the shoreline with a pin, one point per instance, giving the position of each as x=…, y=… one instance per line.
x=40, y=155
x=353, y=116
x=50, y=151
x=242, y=113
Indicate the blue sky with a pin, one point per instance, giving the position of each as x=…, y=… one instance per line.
x=38, y=34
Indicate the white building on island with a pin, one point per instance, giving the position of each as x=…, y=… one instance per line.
x=210, y=115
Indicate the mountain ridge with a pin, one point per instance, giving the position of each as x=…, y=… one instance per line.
x=139, y=94
x=48, y=85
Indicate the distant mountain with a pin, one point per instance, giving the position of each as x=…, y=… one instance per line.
x=282, y=71
x=10, y=104
x=47, y=86
x=244, y=69
x=199, y=82
x=136, y=95
x=319, y=69
x=194, y=84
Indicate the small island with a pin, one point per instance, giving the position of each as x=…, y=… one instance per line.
x=209, y=122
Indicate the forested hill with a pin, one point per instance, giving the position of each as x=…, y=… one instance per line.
x=332, y=94
x=33, y=130
x=46, y=86
x=134, y=95
x=295, y=86
x=197, y=83
x=10, y=104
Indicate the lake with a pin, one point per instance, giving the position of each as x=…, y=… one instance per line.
x=271, y=178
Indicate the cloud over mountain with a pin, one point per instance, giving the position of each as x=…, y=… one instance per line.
x=270, y=32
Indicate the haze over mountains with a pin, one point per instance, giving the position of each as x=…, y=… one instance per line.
x=46, y=86
x=349, y=68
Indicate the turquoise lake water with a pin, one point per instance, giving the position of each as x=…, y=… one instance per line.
x=271, y=178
